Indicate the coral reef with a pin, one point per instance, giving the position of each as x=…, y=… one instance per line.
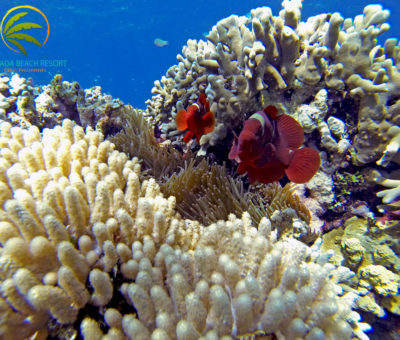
x=391, y=194
x=206, y=192
x=247, y=62
x=372, y=252
x=126, y=232
x=349, y=111
x=46, y=106
x=390, y=205
x=89, y=107
x=17, y=101
x=83, y=239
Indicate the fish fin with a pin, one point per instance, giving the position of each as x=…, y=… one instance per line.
x=283, y=154
x=209, y=122
x=189, y=135
x=198, y=135
x=233, y=153
x=203, y=100
x=181, y=121
x=290, y=131
x=272, y=112
x=252, y=174
x=274, y=171
x=305, y=163
x=242, y=168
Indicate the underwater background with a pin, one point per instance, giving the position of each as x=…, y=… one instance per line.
x=185, y=169
x=111, y=43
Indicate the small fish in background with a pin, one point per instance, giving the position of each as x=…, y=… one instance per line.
x=197, y=118
x=160, y=43
x=269, y=146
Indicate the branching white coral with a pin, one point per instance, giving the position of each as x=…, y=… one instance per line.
x=249, y=63
x=389, y=195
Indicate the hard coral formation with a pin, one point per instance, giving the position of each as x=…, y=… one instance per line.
x=85, y=243
x=17, y=100
x=372, y=253
x=46, y=106
x=248, y=62
x=391, y=194
x=89, y=107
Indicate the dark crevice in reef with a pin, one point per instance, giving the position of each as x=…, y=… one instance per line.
x=73, y=332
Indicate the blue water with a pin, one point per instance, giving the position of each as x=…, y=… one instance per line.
x=111, y=42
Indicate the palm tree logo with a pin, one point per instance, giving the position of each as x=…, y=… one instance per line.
x=12, y=32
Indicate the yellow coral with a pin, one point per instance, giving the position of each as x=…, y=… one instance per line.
x=80, y=229
x=57, y=189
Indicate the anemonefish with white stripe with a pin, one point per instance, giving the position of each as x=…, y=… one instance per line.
x=268, y=147
x=198, y=119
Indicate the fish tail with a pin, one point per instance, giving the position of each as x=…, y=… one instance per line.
x=234, y=152
x=303, y=166
x=189, y=135
x=209, y=122
x=181, y=121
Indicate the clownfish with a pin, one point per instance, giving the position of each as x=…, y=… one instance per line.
x=197, y=118
x=268, y=147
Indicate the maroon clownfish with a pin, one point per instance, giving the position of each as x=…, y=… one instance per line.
x=269, y=146
x=197, y=118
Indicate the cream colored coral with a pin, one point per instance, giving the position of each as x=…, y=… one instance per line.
x=81, y=226
x=383, y=281
x=234, y=280
x=59, y=188
x=391, y=194
x=392, y=148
